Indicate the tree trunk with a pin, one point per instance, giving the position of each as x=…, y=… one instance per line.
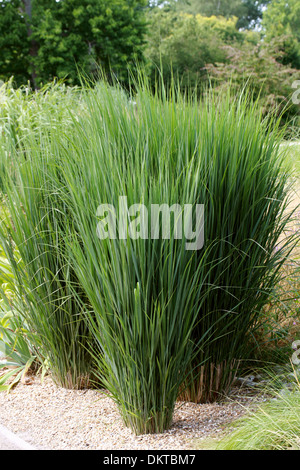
x=27, y=11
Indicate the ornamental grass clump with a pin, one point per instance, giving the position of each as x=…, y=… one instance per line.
x=44, y=281
x=168, y=321
x=246, y=197
x=144, y=292
x=159, y=320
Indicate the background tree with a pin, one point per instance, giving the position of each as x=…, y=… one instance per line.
x=183, y=44
x=58, y=37
x=248, y=12
x=14, y=44
x=281, y=22
x=269, y=80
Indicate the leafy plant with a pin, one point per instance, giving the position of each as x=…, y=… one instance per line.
x=143, y=292
x=157, y=320
x=53, y=39
x=260, y=66
x=42, y=295
x=18, y=348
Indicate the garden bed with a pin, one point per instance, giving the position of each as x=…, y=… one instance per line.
x=54, y=418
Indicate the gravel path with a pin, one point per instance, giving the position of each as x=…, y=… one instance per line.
x=10, y=441
x=49, y=417
x=7, y=445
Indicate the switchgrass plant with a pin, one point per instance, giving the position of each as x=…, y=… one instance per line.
x=167, y=320
x=144, y=293
x=44, y=280
x=246, y=198
x=164, y=321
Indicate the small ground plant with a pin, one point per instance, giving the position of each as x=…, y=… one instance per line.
x=272, y=425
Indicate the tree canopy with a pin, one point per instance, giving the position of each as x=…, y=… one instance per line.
x=281, y=22
x=41, y=39
x=193, y=40
x=247, y=12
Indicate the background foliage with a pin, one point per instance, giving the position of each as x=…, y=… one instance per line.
x=48, y=38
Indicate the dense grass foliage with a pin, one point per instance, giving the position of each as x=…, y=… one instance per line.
x=144, y=293
x=24, y=112
x=42, y=284
x=42, y=296
x=159, y=321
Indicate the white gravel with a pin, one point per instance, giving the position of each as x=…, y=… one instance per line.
x=52, y=418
